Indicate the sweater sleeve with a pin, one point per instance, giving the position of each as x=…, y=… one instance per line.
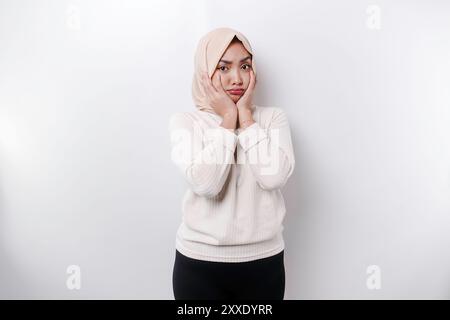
x=270, y=154
x=203, y=157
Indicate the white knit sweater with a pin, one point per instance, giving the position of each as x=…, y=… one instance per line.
x=233, y=209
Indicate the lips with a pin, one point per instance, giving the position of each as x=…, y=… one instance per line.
x=236, y=91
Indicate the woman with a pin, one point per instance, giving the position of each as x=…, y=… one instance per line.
x=235, y=156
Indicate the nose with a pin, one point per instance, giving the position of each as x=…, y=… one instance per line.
x=236, y=78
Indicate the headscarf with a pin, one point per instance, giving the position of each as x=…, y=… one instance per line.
x=210, y=49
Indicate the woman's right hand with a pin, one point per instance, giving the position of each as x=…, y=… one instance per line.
x=217, y=97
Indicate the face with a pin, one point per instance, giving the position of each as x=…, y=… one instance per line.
x=234, y=68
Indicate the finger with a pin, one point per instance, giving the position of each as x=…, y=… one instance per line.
x=250, y=87
x=208, y=91
x=218, y=84
x=209, y=84
x=252, y=79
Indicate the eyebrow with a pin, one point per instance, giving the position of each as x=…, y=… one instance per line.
x=229, y=62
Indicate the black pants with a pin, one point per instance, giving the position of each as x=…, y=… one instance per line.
x=258, y=279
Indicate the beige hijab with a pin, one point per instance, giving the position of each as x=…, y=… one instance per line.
x=210, y=49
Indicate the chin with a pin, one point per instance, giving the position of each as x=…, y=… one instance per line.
x=234, y=98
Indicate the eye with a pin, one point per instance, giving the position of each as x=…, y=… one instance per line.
x=220, y=68
x=248, y=66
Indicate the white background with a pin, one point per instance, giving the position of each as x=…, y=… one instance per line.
x=86, y=179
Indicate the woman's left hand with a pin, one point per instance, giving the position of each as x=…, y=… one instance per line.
x=246, y=101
